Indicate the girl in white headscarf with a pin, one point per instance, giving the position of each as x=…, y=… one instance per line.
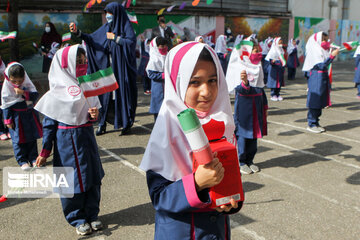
x=199, y=39
x=357, y=71
x=221, y=51
x=4, y=131
x=316, y=62
x=245, y=77
x=292, y=60
x=193, y=79
x=155, y=71
x=18, y=95
x=68, y=128
x=265, y=47
x=276, y=69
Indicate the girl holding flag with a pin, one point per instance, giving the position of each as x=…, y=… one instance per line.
x=357, y=71
x=67, y=126
x=245, y=76
x=193, y=79
x=316, y=63
x=276, y=69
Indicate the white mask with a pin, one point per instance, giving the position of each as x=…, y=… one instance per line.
x=47, y=29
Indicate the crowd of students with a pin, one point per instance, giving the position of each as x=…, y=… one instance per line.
x=189, y=75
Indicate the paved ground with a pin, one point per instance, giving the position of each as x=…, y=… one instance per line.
x=309, y=186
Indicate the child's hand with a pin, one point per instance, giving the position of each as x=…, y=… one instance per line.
x=227, y=208
x=243, y=76
x=273, y=61
x=40, y=161
x=209, y=175
x=73, y=27
x=19, y=91
x=335, y=52
x=110, y=35
x=11, y=126
x=94, y=112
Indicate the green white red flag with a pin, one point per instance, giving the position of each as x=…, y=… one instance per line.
x=7, y=35
x=66, y=37
x=350, y=46
x=98, y=83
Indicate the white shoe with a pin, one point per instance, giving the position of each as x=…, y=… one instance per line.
x=254, y=168
x=25, y=167
x=244, y=169
x=274, y=98
x=321, y=128
x=314, y=129
x=280, y=98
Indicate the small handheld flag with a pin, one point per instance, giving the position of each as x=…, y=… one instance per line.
x=350, y=46
x=98, y=83
x=7, y=35
x=66, y=37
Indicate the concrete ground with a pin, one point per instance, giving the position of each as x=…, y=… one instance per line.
x=308, y=187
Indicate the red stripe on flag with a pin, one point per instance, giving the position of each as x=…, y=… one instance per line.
x=97, y=92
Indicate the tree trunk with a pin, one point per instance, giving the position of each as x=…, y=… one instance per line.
x=13, y=26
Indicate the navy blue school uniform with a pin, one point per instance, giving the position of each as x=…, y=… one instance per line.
x=76, y=147
x=275, y=77
x=3, y=128
x=265, y=66
x=27, y=128
x=223, y=61
x=250, y=120
x=157, y=91
x=357, y=74
x=142, y=67
x=318, y=95
x=292, y=64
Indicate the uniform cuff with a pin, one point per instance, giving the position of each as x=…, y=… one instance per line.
x=26, y=95
x=45, y=153
x=8, y=121
x=244, y=86
x=191, y=194
x=332, y=57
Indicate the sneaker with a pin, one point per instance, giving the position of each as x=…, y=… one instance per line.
x=9, y=136
x=274, y=98
x=25, y=167
x=147, y=92
x=83, y=229
x=314, y=129
x=254, y=168
x=244, y=169
x=4, y=137
x=321, y=128
x=96, y=225
x=279, y=98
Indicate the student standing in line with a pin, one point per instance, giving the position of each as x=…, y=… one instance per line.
x=4, y=131
x=357, y=71
x=293, y=60
x=316, y=63
x=18, y=95
x=193, y=79
x=245, y=76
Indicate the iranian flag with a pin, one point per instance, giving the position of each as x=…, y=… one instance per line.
x=244, y=48
x=7, y=35
x=282, y=60
x=132, y=17
x=66, y=37
x=98, y=83
x=351, y=45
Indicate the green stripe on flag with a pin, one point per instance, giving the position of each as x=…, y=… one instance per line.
x=242, y=43
x=95, y=76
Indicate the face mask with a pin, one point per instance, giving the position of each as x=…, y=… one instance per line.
x=255, y=58
x=280, y=45
x=228, y=31
x=325, y=45
x=109, y=17
x=81, y=70
x=47, y=29
x=163, y=51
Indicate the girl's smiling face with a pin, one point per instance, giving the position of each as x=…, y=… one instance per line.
x=203, y=87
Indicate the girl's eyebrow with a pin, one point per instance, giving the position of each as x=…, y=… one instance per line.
x=196, y=77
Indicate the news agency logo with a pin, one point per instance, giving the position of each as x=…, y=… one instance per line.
x=49, y=182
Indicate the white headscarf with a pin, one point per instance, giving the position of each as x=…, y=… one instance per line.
x=238, y=39
x=168, y=152
x=265, y=45
x=156, y=60
x=290, y=46
x=2, y=67
x=8, y=95
x=314, y=52
x=220, y=46
x=197, y=39
x=276, y=51
x=239, y=62
x=65, y=102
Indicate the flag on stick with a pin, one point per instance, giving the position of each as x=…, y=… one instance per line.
x=132, y=17
x=7, y=35
x=350, y=46
x=98, y=83
x=66, y=37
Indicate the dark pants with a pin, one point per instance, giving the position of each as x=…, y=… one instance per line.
x=146, y=83
x=275, y=92
x=291, y=73
x=3, y=128
x=25, y=152
x=313, y=117
x=83, y=207
x=358, y=88
x=247, y=149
